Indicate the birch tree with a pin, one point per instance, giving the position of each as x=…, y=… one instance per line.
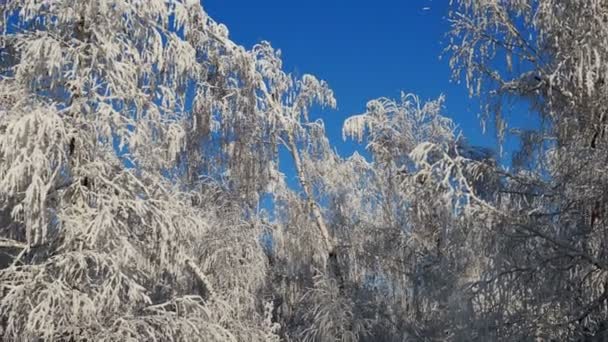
x=547, y=278
x=416, y=217
x=97, y=242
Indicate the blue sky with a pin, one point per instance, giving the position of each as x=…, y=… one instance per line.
x=363, y=49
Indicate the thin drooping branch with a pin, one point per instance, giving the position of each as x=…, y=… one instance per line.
x=9, y=243
x=200, y=275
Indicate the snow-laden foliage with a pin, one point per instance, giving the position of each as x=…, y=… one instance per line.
x=407, y=222
x=98, y=242
x=142, y=198
x=395, y=271
x=547, y=274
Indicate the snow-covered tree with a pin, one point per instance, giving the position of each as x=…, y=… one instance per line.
x=413, y=210
x=400, y=253
x=134, y=152
x=547, y=246
x=142, y=198
x=99, y=237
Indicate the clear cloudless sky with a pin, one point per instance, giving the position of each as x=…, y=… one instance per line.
x=363, y=49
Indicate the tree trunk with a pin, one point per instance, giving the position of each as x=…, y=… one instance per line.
x=333, y=267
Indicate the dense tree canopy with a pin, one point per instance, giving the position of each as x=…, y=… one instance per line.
x=139, y=149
